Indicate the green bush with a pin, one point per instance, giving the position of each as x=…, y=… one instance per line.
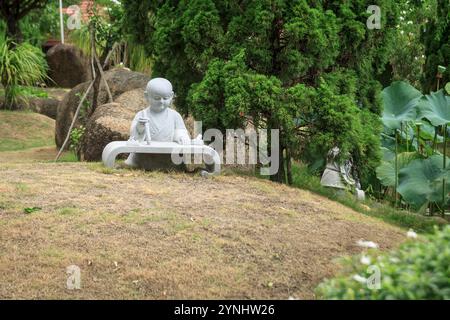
x=33, y=92
x=75, y=137
x=418, y=269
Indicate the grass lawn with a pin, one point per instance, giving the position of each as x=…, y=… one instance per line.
x=24, y=130
x=151, y=235
x=144, y=235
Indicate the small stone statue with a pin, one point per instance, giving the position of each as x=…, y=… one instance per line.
x=157, y=122
x=340, y=176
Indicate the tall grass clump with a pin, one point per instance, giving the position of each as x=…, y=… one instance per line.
x=20, y=65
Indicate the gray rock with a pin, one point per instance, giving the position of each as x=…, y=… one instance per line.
x=45, y=106
x=68, y=66
x=119, y=80
x=110, y=122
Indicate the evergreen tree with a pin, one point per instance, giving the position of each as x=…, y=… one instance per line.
x=306, y=67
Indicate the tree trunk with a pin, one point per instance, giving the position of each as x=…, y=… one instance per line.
x=104, y=55
x=280, y=176
x=289, y=166
x=12, y=30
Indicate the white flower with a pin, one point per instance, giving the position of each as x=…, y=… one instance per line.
x=365, y=260
x=411, y=234
x=367, y=244
x=409, y=22
x=359, y=278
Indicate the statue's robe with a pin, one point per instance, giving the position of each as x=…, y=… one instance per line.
x=165, y=126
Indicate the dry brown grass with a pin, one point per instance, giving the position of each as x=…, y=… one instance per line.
x=138, y=235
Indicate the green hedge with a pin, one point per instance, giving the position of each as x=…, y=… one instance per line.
x=418, y=269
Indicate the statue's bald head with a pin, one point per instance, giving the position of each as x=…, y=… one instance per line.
x=159, y=86
x=159, y=94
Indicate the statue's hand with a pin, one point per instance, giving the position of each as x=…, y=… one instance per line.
x=143, y=120
x=132, y=142
x=183, y=140
x=141, y=123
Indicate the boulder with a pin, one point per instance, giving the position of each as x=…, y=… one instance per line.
x=68, y=66
x=65, y=112
x=119, y=81
x=133, y=100
x=45, y=106
x=110, y=122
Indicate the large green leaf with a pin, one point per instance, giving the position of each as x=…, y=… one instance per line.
x=387, y=141
x=408, y=128
x=400, y=104
x=436, y=108
x=427, y=132
x=421, y=181
x=386, y=170
x=388, y=154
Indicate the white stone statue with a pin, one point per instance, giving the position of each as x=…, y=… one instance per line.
x=158, y=122
x=339, y=176
x=159, y=139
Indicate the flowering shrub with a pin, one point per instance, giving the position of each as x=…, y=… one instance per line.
x=418, y=269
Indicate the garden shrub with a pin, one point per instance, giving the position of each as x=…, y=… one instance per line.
x=418, y=269
x=20, y=65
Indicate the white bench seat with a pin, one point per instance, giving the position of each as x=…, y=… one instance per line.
x=115, y=148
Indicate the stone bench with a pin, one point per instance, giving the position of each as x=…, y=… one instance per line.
x=115, y=148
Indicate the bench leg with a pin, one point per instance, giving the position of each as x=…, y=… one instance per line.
x=109, y=159
x=214, y=167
